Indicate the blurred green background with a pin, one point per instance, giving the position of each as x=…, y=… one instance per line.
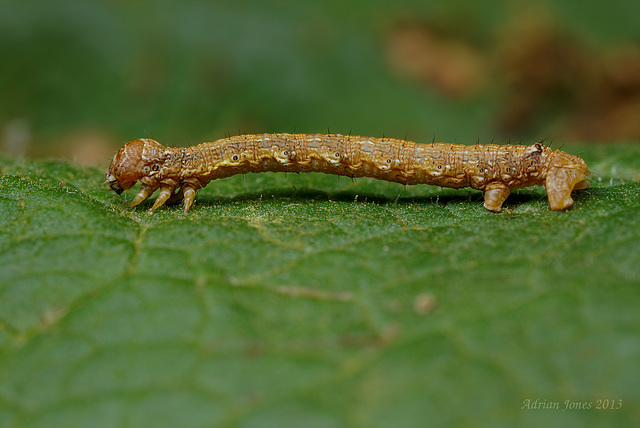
x=78, y=78
x=302, y=299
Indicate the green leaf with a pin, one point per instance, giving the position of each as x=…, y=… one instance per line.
x=314, y=300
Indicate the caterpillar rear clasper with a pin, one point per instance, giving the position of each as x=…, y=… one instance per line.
x=494, y=169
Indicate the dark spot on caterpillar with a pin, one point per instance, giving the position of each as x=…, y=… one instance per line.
x=534, y=152
x=117, y=189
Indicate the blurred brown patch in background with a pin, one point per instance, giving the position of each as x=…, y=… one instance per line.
x=545, y=78
x=436, y=59
x=91, y=147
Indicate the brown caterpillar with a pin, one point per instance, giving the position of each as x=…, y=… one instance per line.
x=494, y=169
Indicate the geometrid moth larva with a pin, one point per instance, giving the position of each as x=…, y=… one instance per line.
x=494, y=169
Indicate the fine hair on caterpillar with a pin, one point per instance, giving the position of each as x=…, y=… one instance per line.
x=494, y=169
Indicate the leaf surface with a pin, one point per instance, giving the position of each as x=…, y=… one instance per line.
x=313, y=300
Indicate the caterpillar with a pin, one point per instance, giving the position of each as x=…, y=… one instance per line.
x=494, y=169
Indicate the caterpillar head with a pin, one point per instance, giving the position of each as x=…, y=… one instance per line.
x=134, y=160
